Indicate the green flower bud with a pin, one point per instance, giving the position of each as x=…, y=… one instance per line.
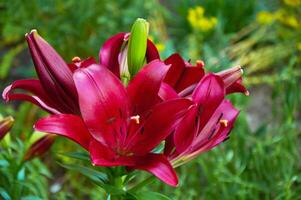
x=137, y=46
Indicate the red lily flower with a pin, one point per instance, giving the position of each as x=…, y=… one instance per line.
x=121, y=126
x=5, y=125
x=112, y=49
x=206, y=124
x=55, y=90
x=183, y=77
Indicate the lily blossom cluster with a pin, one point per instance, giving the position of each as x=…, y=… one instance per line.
x=121, y=121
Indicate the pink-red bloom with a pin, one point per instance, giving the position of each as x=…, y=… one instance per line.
x=54, y=90
x=207, y=122
x=183, y=77
x=121, y=126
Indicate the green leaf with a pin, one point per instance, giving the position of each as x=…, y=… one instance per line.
x=21, y=174
x=99, y=178
x=147, y=195
x=90, y=173
x=4, y=163
x=31, y=198
x=4, y=195
x=77, y=155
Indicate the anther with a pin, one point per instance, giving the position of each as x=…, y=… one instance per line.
x=76, y=59
x=136, y=119
x=224, y=122
x=200, y=63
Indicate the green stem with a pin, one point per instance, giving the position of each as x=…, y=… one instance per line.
x=143, y=183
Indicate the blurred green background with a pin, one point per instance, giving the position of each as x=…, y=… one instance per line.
x=262, y=158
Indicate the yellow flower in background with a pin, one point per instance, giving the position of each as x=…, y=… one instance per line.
x=292, y=3
x=200, y=22
x=264, y=17
x=287, y=19
x=292, y=21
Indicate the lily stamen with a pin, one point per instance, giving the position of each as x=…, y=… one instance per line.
x=76, y=59
x=200, y=63
x=224, y=122
x=136, y=118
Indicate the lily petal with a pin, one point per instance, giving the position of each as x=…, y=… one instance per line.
x=187, y=129
x=109, y=52
x=53, y=72
x=70, y=126
x=33, y=86
x=181, y=75
x=144, y=87
x=158, y=165
x=103, y=104
x=166, y=92
x=214, y=131
x=151, y=51
x=237, y=87
x=104, y=156
x=208, y=94
x=159, y=124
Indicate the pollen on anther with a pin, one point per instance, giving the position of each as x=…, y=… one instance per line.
x=76, y=59
x=200, y=63
x=224, y=122
x=136, y=119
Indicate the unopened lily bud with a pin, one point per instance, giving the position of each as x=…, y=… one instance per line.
x=231, y=75
x=40, y=147
x=232, y=79
x=137, y=45
x=5, y=126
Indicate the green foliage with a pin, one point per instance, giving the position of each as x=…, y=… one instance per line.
x=260, y=161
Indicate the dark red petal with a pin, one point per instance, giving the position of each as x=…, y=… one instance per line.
x=40, y=147
x=144, y=87
x=187, y=130
x=104, y=156
x=158, y=165
x=180, y=75
x=237, y=87
x=103, y=103
x=70, y=126
x=232, y=78
x=159, y=124
x=214, y=131
x=166, y=92
x=108, y=54
x=208, y=94
x=40, y=97
x=81, y=63
x=151, y=52
x=209, y=90
x=169, y=147
x=53, y=72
